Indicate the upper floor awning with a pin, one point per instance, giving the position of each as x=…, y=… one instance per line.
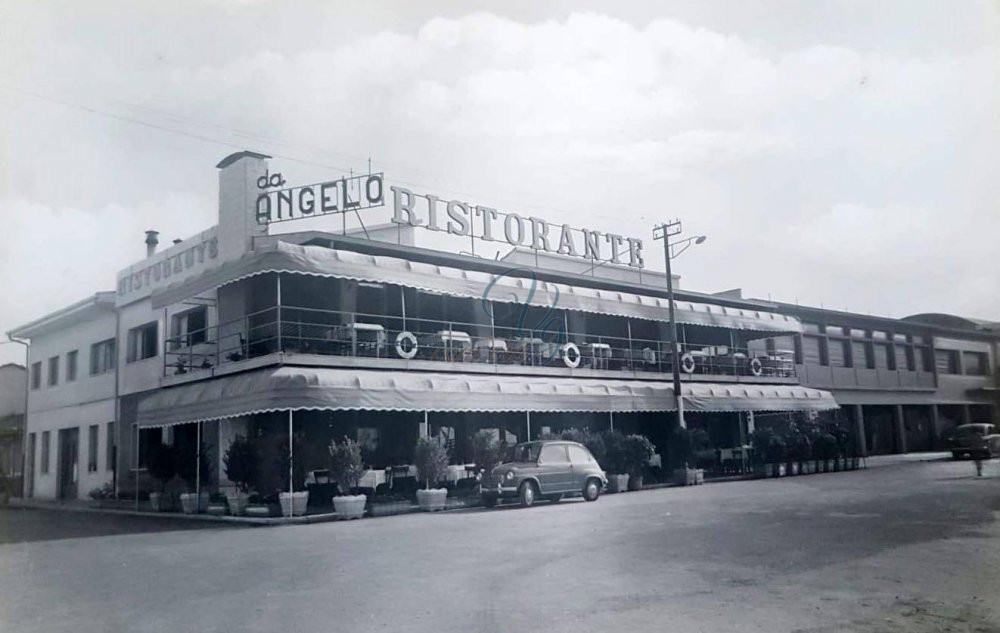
x=342, y=264
x=290, y=388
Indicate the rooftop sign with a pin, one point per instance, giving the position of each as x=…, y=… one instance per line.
x=323, y=198
x=485, y=223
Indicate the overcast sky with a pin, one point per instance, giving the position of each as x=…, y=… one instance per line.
x=842, y=154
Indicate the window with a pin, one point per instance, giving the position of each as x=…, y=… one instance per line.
x=102, y=357
x=975, y=363
x=811, y=350
x=36, y=375
x=188, y=327
x=53, y=371
x=579, y=455
x=860, y=355
x=838, y=353
x=71, y=358
x=884, y=358
x=141, y=342
x=946, y=361
x=553, y=454
x=46, y=440
x=92, y=434
x=109, y=448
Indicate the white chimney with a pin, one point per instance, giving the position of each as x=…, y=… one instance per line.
x=151, y=241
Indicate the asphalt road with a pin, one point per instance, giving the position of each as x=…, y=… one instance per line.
x=909, y=547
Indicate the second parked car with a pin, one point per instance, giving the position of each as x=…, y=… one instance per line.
x=549, y=470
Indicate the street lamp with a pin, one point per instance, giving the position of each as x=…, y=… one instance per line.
x=670, y=251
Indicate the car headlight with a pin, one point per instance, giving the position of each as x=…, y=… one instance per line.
x=509, y=475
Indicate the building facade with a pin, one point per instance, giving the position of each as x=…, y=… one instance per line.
x=298, y=339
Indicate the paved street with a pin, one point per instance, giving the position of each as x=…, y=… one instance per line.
x=906, y=547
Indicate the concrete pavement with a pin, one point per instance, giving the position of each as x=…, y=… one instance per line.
x=908, y=547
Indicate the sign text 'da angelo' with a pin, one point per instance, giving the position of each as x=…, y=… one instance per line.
x=484, y=223
x=324, y=198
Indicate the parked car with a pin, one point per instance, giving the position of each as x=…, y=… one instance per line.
x=549, y=469
x=975, y=440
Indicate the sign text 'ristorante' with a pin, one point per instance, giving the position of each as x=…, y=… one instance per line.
x=460, y=218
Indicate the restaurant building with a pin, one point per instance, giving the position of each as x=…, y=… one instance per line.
x=303, y=337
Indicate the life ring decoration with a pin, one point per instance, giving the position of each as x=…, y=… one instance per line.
x=649, y=355
x=756, y=367
x=406, y=345
x=687, y=363
x=571, y=355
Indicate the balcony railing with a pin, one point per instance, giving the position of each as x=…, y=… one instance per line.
x=348, y=334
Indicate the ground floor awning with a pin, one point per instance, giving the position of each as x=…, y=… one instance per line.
x=322, y=388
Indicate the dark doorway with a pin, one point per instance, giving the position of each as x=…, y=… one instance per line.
x=69, y=442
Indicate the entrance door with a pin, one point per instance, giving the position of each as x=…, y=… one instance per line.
x=69, y=442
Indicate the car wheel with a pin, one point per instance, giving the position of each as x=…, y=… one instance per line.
x=528, y=493
x=591, y=490
x=489, y=501
x=956, y=455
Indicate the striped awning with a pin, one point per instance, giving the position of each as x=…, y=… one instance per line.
x=329, y=389
x=319, y=261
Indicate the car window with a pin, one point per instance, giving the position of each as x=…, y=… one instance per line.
x=553, y=454
x=524, y=453
x=579, y=455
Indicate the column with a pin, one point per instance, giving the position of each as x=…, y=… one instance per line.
x=900, y=426
x=935, y=427
x=859, y=430
x=966, y=414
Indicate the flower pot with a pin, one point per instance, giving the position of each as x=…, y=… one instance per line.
x=160, y=501
x=793, y=468
x=258, y=510
x=217, y=509
x=781, y=470
x=617, y=483
x=433, y=499
x=854, y=463
x=699, y=476
x=237, y=502
x=685, y=477
x=293, y=504
x=192, y=503
x=808, y=468
x=843, y=463
x=350, y=506
x=635, y=482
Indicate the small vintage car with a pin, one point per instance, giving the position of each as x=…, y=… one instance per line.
x=547, y=469
x=979, y=441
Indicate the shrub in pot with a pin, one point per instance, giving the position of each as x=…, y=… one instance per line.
x=760, y=439
x=487, y=452
x=241, y=468
x=799, y=450
x=682, y=451
x=431, y=460
x=162, y=466
x=346, y=468
x=614, y=460
x=194, y=468
x=776, y=454
x=637, y=451
x=292, y=496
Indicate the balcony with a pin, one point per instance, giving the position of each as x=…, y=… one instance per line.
x=827, y=377
x=329, y=337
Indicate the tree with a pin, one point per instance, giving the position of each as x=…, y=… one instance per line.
x=637, y=451
x=241, y=463
x=431, y=460
x=162, y=465
x=346, y=464
x=487, y=452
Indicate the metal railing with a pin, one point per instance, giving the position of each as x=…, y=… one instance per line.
x=300, y=330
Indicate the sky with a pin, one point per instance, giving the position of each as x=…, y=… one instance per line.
x=838, y=154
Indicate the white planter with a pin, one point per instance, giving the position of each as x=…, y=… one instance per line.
x=160, y=502
x=617, y=483
x=433, y=499
x=190, y=502
x=350, y=506
x=237, y=503
x=293, y=504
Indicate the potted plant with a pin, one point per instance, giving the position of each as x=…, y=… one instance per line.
x=775, y=454
x=637, y=451
x=346, y=468
x=798, y=452
x=194, y=469
x=487, y=452
x=217, y=505
x=681, y=455
x=825, y=451
x=240, y=462
x=258, y=507
x=293, y=503
x=162, y=466
x=614, y=461
x=432, y=463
